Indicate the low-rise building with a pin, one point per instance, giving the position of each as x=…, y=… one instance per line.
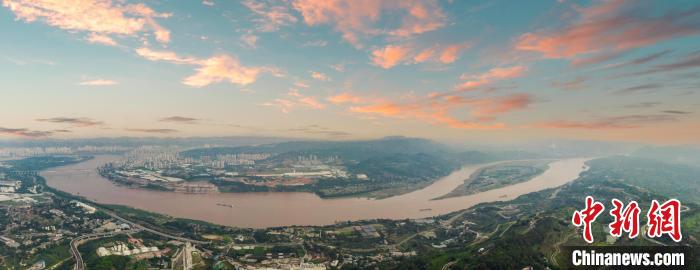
x=10, y=186
x=9, y=242
x=86, y=207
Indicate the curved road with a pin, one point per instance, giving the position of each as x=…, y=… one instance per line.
x=80, y=265
x=141, y=227
x=448, y=265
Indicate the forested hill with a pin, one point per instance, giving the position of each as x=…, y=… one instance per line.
x=533, y=229
x=348, y=149
x=393, y=165
x=668, y=179
x=687, y=154
x=363, y=150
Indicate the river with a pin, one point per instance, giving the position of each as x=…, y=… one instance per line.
x=269, y=209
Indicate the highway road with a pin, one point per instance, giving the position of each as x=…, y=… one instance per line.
x=135, y=227
x=79, y=264
x=448, y=265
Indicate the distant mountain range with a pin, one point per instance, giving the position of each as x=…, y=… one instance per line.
x=138, y=141
x=688, y=155
x=359, y=149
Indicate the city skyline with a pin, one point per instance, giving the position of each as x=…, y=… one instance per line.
x=448, y=70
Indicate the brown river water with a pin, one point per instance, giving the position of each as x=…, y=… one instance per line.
x=270, y=209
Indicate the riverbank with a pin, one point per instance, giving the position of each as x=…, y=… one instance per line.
x=499, y=175
x=271, y=209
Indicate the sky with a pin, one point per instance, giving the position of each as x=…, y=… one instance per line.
x=452, y=70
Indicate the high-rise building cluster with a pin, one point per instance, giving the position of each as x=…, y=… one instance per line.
x=19, y=152
x=158, y=158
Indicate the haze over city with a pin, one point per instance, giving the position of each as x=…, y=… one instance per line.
x=349, y=134
x=491, y=71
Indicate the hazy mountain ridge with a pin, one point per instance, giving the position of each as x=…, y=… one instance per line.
x=674, y=180
x=353, y=149
x=688, y=155
x=139, y=141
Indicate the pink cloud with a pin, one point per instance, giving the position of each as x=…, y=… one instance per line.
x=615, y=25
x=272, y=16
x=98, y=82
x=283, y=105
x=320, y=76
x=393, y=55
x=301, y=84
x=27, y=133
x=452, y=52
x=102, y=17
x=431, y=112
x=389, y=109
x=494, y=74
x=505, y=73
x=595, y=58
x=75, y=121
x=459, y=124
x=424, y=55
x=436, y=109
x=222, y=68
x=446, y=54
x=573, y=84
x=345, y=98
x=250, y=40
x=354, y=19
x=390, y=56
x=166, y=56
x=310, y=102
x=293, y=100
x=101, y=39
x=616, y=122
x=425, y=16
x=487, y=109
x=305, y=101
x=211, y=70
